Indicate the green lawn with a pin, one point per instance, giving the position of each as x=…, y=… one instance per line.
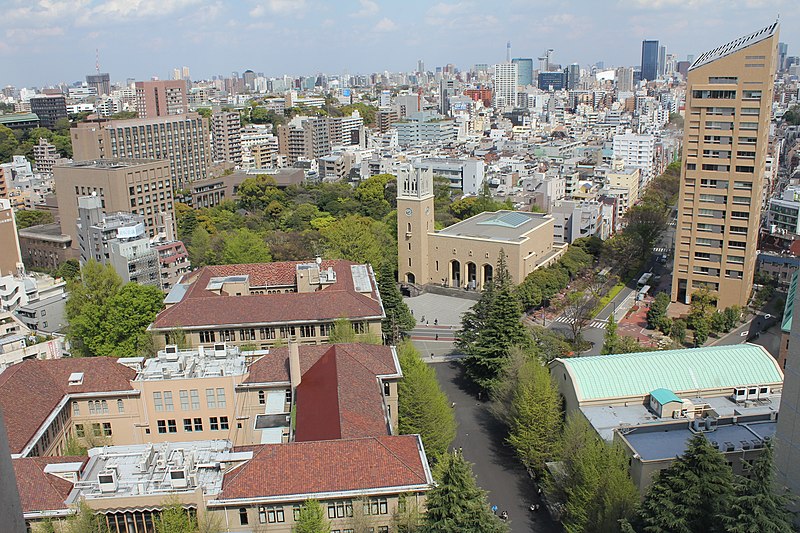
x=605, y=300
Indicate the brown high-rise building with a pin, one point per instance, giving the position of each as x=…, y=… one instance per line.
x=726, y=137
x=139, y=186
x=10, y=257
x=160, y=98
x=183, y=140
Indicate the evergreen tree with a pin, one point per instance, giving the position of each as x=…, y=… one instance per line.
x=312, y=519
x=474, y=320
x=399, y=319
x=692, y=495
x=456, y=504
x=423, y=408
x=501, y=329
x=758, y=507
x=611, y=339
x=536, y=417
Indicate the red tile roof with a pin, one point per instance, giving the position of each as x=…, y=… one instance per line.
x=30, y=390
x=39, y=491
x=200, y=307
x=307, y=468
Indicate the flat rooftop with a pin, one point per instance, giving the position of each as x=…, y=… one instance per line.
x=509, y=226
x=203, y=362
x=105, y=164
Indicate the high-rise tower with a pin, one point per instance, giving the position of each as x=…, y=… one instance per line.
x=725, y=142
x=649, y=60
x=414, y=222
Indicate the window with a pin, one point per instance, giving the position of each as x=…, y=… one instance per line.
x=97, y=430
x=211, y=402
x=120, y=406
x=296, y=512
x=723, y=95
x=223, y=422
x=228, y=335
x=336, y=510
x=91, y=407
x=162, y=426
x=106, y=429
x=157, y=401
x=307, y=331
x=247, y=334
x=76, y=409
x=79, y=431
x=288, y=396
x=243, y=520
x=261, y=397
x=324, y=330
x=742, y=200
x=168, y=400
x=267, y=333
x=187, y=425
x=172, y=427
x=213, y=423
x=195, y=399
x=198, y=424
x=207, y=336
x=270, y=514
x=103, y=407
x=383, y=529
x=221, y=398
x=387, y=390
x=184, y=396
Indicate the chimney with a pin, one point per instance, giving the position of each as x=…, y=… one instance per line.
x=294, y=364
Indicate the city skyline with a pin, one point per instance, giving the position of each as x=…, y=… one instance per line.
x=55, y=41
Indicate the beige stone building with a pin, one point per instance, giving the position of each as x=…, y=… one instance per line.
x=464, y=255
x=11, y=257
x=138, y=186
x=725, y=148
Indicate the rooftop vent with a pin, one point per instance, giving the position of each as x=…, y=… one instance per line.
x=76, y=378
x=108, y=481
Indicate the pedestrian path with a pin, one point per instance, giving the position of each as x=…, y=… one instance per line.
x=599, y=324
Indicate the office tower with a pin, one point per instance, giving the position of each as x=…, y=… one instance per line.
x=226, y=137
x=176, y=74
x=552, y=81
x=185, y=73
x=662, y=61
x=505, y=85
x=249, y=79
x=783, y=51
x=160, y=98
x=11, y=258
x=420, y=66
x=573, y=76
x=101, y=83
x=182, y=139
x=787, y=434
x=624, y=79
x=49, y=109
x=524, y=70
x=447, y=89
x=649, y=60
x=725, y=146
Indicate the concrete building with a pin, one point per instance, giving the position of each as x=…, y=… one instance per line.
x=49, y=109
x=637, y=150
x=464, y=255
x=266, y=304
x=138, y=186
x=787, y=436
x=160, y=98
x=347, y=131
x=505, y=85
x=173, y=263
x=524, y=70
x=649, y=60
x=182, y=140
x=465, y=174
x=45, y=155
x=19, y=343
x=226, y=137
x=575, y=220
x=11, y=258
x=44, y=246
x=304, y=137
x=726, y=141
x=783, y=216
x=100, y=82
x=423, y=128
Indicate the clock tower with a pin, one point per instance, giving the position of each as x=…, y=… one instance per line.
x=414, y=223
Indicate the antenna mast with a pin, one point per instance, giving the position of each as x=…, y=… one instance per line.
x=97, y=60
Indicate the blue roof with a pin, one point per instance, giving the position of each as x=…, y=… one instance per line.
x=664, y=396
x=177, y=293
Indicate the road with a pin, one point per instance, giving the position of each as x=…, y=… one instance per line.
x=498, y=470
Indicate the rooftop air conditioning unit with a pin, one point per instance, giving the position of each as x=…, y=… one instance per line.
x=107, y=481
x=171, y=348
x=739, y=394
x=178, y=479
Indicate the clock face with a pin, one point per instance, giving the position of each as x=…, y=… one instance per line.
x=409, y=211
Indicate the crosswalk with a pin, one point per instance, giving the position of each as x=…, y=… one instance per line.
x=660, y=250
x=598, y=324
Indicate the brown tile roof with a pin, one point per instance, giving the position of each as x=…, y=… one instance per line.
x=30, y=390
x=39, y=491
x=200, y=307
x=306, y=468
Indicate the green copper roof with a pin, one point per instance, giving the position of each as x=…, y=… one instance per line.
x=689, y=370
x=788, y=308
x=664, y=396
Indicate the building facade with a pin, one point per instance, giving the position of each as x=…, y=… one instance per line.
x=11, y=258
x=49, y=109
x=505, y=85
x=649, y=60
x=160, y=98
x=226, y=137
x=726, y=142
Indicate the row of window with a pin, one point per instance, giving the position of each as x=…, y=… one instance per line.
x=215, y=399
x=193, y=424
x=98, y=430
x=97, y=407
x=251, y=334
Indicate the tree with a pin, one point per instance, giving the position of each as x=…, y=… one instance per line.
x=342, y=332
x=312, y=519
x=68, y=270
x=456, y=504
x=646, y=223
x=356, y=238
x=96, y=285
x=85, y=520
x=244, y=246
x=758, y=506
x=175, y=519
x=423, y=408
x=200, y=252
x=578, y=311
x=702, y=329
x=693, y=494
x=32, y=217
x=611, y=339
x=407, y=518
x=792, y=115
x=718, y=323
x=678, y=330
x=536, y=417
x=658, y=311
x=8, y=143
x=399, y=319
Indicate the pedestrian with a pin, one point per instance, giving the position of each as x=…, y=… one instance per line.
x=435, y=321
x=423, y=318
x=437, y=336
x=453, y=405
x=494, y=509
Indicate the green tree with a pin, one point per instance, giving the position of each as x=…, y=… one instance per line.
x=97, y=284
x=611, y=338
x=32, y=217
x=732, y=316
x=758, y=506
x=423, y=407
x=646, y=223
x=702, y=329
x=342, y=332
x=658, y=311
x=8, y=144
x=407, y=517
x=244, y=246
x=678, y=330
x=357, y=238
x=718, y=323
x=85, y=520
x=68, y=270
x=694, y=494
x=372, y=198
x=456, y=504
x=200, y=251
x=792, y=115
x=312, y=519
x=536, y=417
x=175, y=519
x=399, y=319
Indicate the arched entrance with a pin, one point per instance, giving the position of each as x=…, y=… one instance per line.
x=410, y=278
x=455, y=273
x=472, y=276
x=488, y=273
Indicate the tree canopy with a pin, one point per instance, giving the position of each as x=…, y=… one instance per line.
x=312, y=519
x=399, y=319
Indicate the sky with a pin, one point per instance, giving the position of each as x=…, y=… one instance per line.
x=50, y=41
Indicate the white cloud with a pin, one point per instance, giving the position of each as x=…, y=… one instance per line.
x=368, y=8
x=278, y=7
x=385, y=24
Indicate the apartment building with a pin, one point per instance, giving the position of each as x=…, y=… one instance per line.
x=182, y=140
x=465, y=174
x=226, y=137
x=160, y=98
x=506, y=76
x=304, y=138
x=638, y=151
x=45, y=156
x=138, y=186
x=726, y=142
x=269, y=303
x=425, y=127
x=11, y=258
x=49, y=109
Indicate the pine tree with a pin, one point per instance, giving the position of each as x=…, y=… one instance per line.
x=502, y=329
x=422, y=406
x=456, y=504
x=693, y=494
x=399, y=319
x=536, y=417
x=758, y=507
x=312, y=519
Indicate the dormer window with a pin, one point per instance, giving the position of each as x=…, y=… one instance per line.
x=76, y=378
